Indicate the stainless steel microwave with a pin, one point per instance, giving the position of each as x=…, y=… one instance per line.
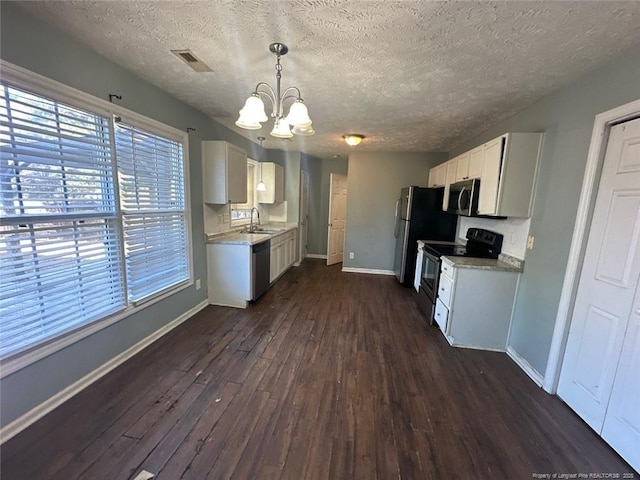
x=463, y=198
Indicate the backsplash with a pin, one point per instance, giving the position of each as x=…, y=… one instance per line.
x=217, y=218
x=515, y=231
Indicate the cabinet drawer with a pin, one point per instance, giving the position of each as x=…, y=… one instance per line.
x=442, y=316
x=447, y=270
x=444, y=290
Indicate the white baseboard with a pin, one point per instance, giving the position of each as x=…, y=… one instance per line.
x=372, y=271
x=316, y=255
x=526, y=366
x=36, y=413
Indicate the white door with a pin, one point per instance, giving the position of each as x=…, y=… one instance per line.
x=598, y=380
x=304, y=213
x=337, y=217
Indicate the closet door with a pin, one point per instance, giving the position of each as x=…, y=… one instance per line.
x=603, y=345
x=607, y=282
x=622, y=423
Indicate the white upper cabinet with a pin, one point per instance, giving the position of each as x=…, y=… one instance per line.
x=476, y=157
x=509, y=171
x=224, y=173
x=272, y=175
x=450, y=177
x=469, y=165
x=437, y=176
x=462, y=167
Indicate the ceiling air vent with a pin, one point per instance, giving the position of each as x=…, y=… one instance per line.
x=190, y=59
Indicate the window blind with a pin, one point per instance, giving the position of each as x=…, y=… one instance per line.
x=152, y=198
x=60, y=260
x=93, y=220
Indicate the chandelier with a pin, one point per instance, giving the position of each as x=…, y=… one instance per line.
x=296, y=122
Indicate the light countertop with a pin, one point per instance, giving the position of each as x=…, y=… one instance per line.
x=505, y=263
x=238, y=237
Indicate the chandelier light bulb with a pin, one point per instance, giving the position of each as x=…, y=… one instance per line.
x=298, y=115
x=303, y=131
x=281, y=129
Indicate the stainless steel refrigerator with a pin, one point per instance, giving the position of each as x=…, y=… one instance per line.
x=419, y=216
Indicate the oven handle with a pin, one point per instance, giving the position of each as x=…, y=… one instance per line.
x=460, y=199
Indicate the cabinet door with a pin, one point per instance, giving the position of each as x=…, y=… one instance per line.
x=236, y=175
x=437, y=175
x=449, y=179
x=490, y=180
x=224, y=173
x=433, y=177
x=442, y=174
x=442, y=316
x=292, y=250
x=278, y=183
x=273, y=268
x=475, y=162
x=462, y=167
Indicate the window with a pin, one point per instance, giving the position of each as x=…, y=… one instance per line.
x=241, y=212
x=94, y=217
x=152, y=198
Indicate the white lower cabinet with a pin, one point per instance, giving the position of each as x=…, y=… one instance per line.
x=474, y=305
x=283, y=253
x=229, y=274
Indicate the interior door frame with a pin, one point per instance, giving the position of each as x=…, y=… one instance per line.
x=303, y=223
x=595, y=159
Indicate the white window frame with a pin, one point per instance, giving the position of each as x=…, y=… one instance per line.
x=32, y=82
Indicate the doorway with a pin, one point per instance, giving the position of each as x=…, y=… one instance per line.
x=337, y=218
x=304, y=216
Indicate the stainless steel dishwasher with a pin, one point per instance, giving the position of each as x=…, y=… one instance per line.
x=260, y=268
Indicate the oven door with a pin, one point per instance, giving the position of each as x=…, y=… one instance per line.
x=429, y=275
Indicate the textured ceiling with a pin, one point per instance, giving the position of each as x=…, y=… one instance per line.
x=409, y=75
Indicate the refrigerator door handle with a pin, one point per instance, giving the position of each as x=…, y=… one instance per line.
x=396, y=231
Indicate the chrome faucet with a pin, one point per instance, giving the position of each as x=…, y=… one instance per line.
x=252, y=227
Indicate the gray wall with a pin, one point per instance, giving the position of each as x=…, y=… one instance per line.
x=567, y=117
x=313, y=166
x=375, y=180
x=31, y=44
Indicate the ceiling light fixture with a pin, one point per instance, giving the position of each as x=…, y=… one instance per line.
x=353, y=139
x=253, y=115
x=261, y=187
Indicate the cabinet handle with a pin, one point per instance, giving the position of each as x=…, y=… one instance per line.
x=438, y=314
x=442, y=289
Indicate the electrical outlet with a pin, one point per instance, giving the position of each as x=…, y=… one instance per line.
x=198, y=285
x=530, y=240
x=351, y=255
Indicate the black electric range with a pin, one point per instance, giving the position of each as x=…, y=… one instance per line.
x=480, y=244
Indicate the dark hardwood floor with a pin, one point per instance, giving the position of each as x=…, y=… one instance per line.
x=330, y=375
